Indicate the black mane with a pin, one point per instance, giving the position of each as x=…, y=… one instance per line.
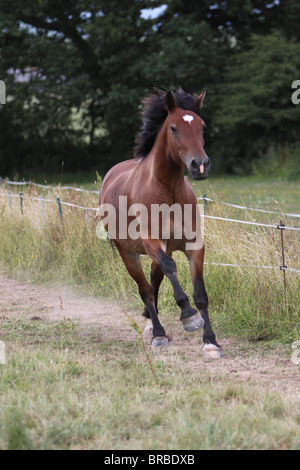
x=154, y=114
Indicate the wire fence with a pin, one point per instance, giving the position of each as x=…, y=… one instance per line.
x=283, y=267
x=204, y=198
x=31, y=183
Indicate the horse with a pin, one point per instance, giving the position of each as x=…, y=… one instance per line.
x=169, y=142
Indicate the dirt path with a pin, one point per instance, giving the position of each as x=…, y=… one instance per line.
x=270, y=368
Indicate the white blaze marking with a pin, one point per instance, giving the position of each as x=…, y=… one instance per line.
x=188, y=118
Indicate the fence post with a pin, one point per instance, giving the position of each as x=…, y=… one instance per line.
x=9, y=203
x=59, y=207
x=205, y=202
x=21, y=202
x=284, y=266
x=87, y=219
x=43, y=212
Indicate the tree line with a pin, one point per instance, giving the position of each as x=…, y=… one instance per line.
x=76, y=73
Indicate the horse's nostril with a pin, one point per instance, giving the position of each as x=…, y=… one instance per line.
x=194, y=165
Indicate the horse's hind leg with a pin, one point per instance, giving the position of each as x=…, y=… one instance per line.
x=156, y=278
x=133, y=264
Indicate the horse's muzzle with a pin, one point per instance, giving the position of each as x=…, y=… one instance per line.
x=199, y=168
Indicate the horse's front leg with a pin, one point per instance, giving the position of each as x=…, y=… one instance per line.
x=196, y=258
x=190, y=318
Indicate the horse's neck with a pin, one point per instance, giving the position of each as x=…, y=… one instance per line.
x=163, y=168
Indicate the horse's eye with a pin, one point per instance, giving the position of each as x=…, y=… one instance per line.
x=173, y=128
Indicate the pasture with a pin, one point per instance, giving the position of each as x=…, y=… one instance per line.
x=76, y=374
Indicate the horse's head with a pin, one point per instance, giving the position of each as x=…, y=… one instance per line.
x=185, y=137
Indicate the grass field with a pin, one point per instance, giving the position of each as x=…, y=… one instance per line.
x=66, y=386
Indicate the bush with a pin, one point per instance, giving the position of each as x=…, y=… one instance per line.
x=282, y=161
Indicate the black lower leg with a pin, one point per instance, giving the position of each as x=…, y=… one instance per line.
x=201, y=302
x=148, y=299
x=156, y=278
x=168, y=267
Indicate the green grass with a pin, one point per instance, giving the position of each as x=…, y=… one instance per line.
x=262, y=193
x=63, y=390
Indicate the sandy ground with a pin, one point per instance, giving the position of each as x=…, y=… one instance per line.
x=269, y=368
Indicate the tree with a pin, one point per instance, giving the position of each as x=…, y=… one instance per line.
x=188, y=53
x=90, y=64
x=81, y=57
x=256, y=110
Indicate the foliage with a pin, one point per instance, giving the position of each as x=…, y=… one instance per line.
x=257, y=94
x=76, y=73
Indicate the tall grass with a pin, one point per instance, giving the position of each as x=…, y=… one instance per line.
x=243, y=301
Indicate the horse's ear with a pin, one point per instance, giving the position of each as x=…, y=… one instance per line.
x=170, y=102
x=200, y=99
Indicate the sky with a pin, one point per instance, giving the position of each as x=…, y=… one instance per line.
x=150, y=13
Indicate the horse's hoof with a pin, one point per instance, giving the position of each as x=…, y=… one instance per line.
x=160, y=341
x=148, y=330
x=212, y=351
x=193, y=323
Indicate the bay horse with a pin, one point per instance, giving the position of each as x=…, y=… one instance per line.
x=170, y=141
